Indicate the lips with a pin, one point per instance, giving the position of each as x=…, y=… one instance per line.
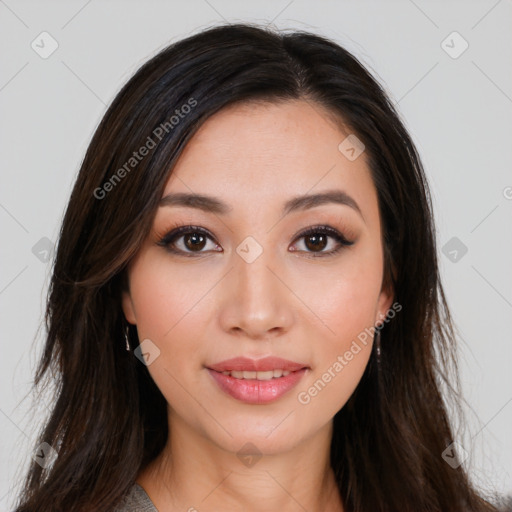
x=257, y=381
x=244, y=364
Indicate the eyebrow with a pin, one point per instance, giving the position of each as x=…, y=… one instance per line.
x=299, y=203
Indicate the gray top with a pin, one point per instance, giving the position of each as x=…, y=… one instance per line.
x=136, y=501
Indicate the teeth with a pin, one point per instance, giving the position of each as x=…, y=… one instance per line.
x=271, y=374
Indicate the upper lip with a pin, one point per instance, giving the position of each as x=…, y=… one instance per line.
x=257, y=365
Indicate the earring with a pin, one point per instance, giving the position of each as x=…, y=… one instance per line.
x=377, y=344
x=126, y=338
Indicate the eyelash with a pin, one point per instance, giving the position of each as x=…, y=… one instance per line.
x=168, y=239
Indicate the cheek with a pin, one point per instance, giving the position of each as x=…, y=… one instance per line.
x=344, y=304
x=343, y=349
x=342, y=299
x=169, y=311
x=163, y=300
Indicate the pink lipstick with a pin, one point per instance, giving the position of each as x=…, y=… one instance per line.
x=257, y=381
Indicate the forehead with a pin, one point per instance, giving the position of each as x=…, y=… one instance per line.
x=253, y=153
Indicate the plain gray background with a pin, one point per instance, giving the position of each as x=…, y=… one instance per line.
x=456, y=104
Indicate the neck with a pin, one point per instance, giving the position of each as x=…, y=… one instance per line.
x=193, y=473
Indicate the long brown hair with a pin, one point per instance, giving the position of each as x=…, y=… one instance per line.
x=109, y=419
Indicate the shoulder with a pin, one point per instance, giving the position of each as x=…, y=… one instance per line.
x=136, y=501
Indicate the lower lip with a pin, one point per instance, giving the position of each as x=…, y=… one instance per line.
x=253, y=391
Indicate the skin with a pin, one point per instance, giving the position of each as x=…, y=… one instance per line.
x=212, y=306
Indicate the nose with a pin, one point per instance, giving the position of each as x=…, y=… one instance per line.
x=256, y=302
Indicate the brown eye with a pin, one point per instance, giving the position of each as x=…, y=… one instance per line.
x=316, y=239
x=316, y=242
x=194, y=241
x=187, y=240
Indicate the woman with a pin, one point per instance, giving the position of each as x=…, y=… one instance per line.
x=245, y=311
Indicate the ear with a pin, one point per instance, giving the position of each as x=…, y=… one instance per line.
x=384, y=304
x=128, y=309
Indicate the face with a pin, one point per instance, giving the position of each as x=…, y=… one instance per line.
x=245, y=281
